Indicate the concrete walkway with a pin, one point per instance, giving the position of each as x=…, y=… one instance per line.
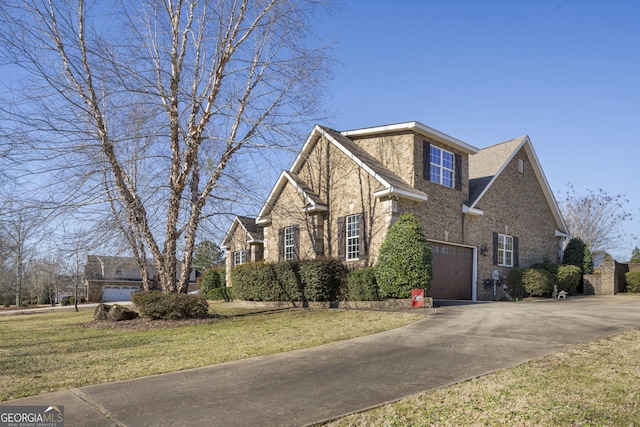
x=455, y=343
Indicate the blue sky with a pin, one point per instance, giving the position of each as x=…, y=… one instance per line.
x=566, y=73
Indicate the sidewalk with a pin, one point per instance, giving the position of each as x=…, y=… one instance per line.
x=303, y=387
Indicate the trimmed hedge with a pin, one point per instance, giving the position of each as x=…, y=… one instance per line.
x=219, y=294
x=538, y=282
x=362, y=285
x=173, y=306
x=320, y=280
x=633, y=281
x=251, y=281
x=568, y=278
x=323, y=280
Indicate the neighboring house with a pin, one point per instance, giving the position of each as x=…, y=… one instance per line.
x=112, y=278
x=483, y=211
x=243, y=243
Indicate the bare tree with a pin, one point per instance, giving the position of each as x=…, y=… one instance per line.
x=207, y=81
x=21, y=228
x=596, y=218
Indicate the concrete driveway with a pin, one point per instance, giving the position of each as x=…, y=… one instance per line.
x=455, y=343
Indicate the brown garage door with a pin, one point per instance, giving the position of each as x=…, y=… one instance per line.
x=452, y=272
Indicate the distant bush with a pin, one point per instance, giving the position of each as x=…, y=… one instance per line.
x=44, y=299
x=173, y=306
x=210, y=281
x=568, y=278
x=8, y=300
x=633, y=281
x=405, y=260
x=362, y=285
x=537, y=281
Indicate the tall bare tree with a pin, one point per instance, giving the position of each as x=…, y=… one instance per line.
x=596, y=218
x=208, y=81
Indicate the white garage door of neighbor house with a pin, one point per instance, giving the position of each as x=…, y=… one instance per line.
x=118, y=293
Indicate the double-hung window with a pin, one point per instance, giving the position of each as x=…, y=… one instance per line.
x=505, y=250
x=289, y=244
x=239, y=257
x=352, y=225
x=441, y=164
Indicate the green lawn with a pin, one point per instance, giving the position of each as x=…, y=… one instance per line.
x=51, y=351
x=593, y=384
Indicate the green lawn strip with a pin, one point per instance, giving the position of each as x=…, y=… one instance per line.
x=47, y=352
x=592, y=384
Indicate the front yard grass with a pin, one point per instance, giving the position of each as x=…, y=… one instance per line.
x=592, y=384
x=46, y=352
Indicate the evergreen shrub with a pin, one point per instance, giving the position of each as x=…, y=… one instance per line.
x=210, y=281
x=568, y=278
x=362, y=285
x=173, y=306
x=633, y=281
x=323, y=280
x=537, y=281
x=405, y=260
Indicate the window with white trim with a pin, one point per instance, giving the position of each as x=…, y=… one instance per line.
x=352, y=226
x=239, y=257
x=442, y=166
x=505, y=250
x=289, y=244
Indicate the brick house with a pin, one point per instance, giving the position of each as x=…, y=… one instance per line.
x=114, y=278
x=484, y=211
x=243, y=243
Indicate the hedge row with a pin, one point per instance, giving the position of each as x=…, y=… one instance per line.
x=319, y=280
x=540, y=279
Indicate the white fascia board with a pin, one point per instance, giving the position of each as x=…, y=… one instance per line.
x=559, y=233
x=419, y=128
x=232, y=229
x=315, y=208
x=353, y=157
x=263, y=220
x=546, y=188
x=303, y=193
x=306, y=147
x=391, y=191
x=471, y=211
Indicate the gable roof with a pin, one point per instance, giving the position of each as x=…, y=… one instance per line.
x=486, y=166
x=255, y=232
x=390, y=183
x=313, y=202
